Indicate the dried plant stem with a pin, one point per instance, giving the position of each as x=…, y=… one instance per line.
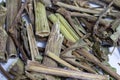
x=67, y=15
x=63, y=28
x=17, y=17
x=16, y=71
x=77, y=8
x=101, y=15
x=30, y=11
x=68, y=51
x=115, y=2
x=12, y=10
x=55, y=40
x=56, y=58
x=3, y=40
x=90, y=18
x=12, y=34
x=97, y=2
x=67, y=26
x=24, y=37
x=79, y=65
x=17, y=44
x=94, y=60
x=36, y=67
x=3, y=35
x=32, y=42
x=54, y=45
x=42, y=26
x=11, y=48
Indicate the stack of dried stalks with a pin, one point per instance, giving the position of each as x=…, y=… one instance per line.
x=75, y=38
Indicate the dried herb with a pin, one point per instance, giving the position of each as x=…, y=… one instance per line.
x=3, y=35
x=42, y=26
x=33, y=66
x=33, y=47
x=59, y=39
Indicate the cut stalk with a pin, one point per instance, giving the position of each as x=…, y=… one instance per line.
x=55, y=40
x=64, y=31
x=77, y=8
x=24, y=37
x=56, y=58
x=41, y=22
x=67, y=26
x=36, y=67
x=12, y=10
x=54, y=45
x=79, y=65
x=11, y=49
x=3, y=35
x=3, y=40
x=67, y=15
x=32, y=42
x=94, y=60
